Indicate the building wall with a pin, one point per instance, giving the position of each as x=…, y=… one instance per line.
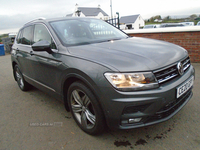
x=102, y=17
x=139, y=23
x=75, y=14
x=99, y=16
x=190, y=40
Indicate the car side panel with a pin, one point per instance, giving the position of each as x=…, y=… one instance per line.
x=24, y=59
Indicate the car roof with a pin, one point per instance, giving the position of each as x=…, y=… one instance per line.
x=41, y=19
x=170, y=23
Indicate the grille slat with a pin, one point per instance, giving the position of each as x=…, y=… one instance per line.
x=171, y=72
x=166, y=73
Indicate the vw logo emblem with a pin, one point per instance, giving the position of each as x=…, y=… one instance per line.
x=180, y=68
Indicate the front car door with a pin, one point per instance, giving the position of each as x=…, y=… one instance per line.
x=46, y=66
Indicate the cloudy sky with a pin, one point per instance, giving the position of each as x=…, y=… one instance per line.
x=14, y=13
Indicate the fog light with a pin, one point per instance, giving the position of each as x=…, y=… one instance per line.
x=134, y=120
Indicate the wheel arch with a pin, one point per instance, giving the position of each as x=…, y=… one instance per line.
x=79, y=76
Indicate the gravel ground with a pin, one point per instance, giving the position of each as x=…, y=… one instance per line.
x=34, y=120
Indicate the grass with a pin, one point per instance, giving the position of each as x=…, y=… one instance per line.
x=3, y=36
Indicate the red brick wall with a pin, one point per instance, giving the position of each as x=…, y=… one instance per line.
x=188, y=40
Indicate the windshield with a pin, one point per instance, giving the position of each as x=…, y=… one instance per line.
x=85, y=31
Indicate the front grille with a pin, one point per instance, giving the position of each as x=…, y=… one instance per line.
x=186, y=64
x=171, y=72
x=169, y=108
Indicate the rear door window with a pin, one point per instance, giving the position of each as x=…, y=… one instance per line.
x=19, y=37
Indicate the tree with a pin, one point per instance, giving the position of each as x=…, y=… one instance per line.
x=157, y=17
x=151, y=19
x=193, y=16
x=167, y=18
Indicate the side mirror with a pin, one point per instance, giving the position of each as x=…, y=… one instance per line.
x=42, y=46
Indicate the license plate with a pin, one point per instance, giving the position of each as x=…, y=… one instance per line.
x=184, y=87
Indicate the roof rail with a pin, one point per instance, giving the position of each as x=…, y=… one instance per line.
x=40, y=18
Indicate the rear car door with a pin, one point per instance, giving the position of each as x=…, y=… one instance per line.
x=23, y=51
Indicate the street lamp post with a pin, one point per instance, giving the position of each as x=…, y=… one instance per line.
x=111, y=10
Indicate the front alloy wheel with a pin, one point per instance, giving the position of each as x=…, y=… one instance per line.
x=85, y=109
x=82, y=109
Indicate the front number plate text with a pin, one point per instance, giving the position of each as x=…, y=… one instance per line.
x=184, y=87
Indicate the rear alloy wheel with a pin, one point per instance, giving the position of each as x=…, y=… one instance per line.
x=85, y=109
x=23, y=85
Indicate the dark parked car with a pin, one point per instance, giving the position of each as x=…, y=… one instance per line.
x=166, y=25
x=150, y=26
x=103, y=76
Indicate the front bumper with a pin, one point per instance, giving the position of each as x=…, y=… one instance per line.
x=126, y=110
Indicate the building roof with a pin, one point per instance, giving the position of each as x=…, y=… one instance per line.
x=91, y=11
x=129, y=19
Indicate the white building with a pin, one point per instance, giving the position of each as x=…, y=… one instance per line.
x=131, y=22
x=93, y=12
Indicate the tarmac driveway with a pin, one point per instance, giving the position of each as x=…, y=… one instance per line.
x=34, y=120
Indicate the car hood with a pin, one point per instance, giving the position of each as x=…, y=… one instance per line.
x=132, y=54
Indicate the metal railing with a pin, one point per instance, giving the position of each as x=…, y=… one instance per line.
x=114, y=22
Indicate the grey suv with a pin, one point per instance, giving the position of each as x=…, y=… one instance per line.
x=103, y=76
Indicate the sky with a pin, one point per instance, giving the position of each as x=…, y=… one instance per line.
x=15, y=13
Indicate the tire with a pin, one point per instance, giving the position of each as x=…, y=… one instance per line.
x=85, y=109
x=23, y=85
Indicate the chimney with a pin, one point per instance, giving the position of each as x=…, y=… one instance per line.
x=76, y=7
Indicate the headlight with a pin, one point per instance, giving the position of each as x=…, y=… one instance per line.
x=132, y=81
